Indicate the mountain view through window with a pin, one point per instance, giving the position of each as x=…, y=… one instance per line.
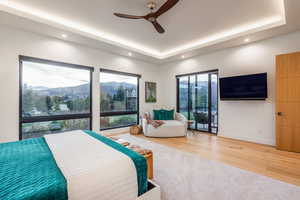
x=54, y=99
x=118, y=100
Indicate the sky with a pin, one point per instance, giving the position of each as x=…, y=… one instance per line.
x=108, y=77
x=52, y=76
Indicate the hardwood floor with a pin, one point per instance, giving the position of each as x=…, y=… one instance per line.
x=261, y=159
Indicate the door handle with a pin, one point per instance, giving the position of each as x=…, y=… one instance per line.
x=279, y=113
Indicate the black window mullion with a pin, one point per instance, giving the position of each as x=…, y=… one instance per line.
x=119, y=73
x=56, y=63
x=178, y=94
x=54, y=118
x=117, y=113
x=110, y=128
x=91, y=100
x=209, y=102
x=189, y=97
x=138, y=100
x=196, y=99
x=20, y=96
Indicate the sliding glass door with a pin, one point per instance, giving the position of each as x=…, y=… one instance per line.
x=214, y=102
x=197, y=99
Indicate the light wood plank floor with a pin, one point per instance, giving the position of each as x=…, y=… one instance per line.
x=261, y=159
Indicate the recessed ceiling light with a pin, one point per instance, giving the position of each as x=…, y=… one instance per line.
x=64, y=35
x=182, y=56
x=129, y=54
x=247, y=40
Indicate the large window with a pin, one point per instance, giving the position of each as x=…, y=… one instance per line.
x=54, y=97
x=197, y=99
x=119, y=99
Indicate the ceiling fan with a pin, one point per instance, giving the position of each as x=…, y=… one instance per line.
x=152, y=16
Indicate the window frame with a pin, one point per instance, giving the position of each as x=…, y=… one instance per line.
x=52, y=117
x=120, y=113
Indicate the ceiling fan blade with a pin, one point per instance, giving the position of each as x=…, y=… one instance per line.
x=158, y=27
x=165, y=7
x=128, y=16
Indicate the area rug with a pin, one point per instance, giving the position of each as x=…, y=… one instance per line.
x=186, y=176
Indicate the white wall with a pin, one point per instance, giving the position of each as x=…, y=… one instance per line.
x=252, y=121
x=15, y=42
x=246, y=120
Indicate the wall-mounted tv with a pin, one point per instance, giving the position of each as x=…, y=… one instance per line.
x=246, y=87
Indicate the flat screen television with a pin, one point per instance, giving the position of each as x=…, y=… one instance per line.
x=246, y=87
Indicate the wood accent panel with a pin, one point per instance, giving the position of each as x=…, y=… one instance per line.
x=288, y=102
x=261, y=159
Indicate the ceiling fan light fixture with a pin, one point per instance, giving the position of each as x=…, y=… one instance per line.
x=151, y=5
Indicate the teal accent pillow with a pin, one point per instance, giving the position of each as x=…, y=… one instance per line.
x=157, y=114
x=168, y=114
x=163, y=114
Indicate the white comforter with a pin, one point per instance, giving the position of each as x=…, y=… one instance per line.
x=92, y=169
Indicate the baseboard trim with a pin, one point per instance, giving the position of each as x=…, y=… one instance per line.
x=249, y=139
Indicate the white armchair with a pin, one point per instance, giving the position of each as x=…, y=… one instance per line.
x=170, y=128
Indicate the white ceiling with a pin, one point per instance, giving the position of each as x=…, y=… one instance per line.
x=191, y=26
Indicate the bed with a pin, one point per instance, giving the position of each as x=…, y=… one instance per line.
x=71, y=165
